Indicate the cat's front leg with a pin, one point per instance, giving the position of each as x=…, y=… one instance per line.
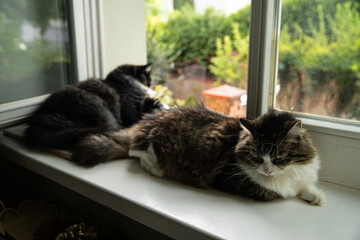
x=148, y=160
x=312, y=194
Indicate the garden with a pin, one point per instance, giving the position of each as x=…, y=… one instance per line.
x=319, y=54
x=34, y=48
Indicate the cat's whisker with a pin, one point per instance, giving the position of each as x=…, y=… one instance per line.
x=234, y=175
x=222, y=166
x=329, y=178
x=240, y=184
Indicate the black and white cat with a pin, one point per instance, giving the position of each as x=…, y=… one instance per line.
x=93, y=107
x=264, y=159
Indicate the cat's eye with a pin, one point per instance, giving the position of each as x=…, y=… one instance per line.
x=277, y=160
x=257, y=160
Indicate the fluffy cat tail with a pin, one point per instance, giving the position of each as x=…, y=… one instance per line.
x=97, y=148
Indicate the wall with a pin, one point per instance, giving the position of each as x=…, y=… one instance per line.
x=124, y=32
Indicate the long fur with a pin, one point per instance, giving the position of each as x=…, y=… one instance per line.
x=92, y=107
x=264, y=159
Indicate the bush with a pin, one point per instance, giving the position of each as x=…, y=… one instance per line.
x=326, y=51
x=161, y=55
x=242, y=18
x=194, y=35
x=226, y=65
x=165, y=95
x=303, y=13
x=21, y=59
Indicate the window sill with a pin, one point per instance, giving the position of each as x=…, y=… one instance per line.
x=332, y=128
x=183, y=212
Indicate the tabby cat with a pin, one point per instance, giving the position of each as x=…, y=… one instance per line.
x=91, y=107
x=263, y=159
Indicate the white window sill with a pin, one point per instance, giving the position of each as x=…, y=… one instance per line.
x=184, y=212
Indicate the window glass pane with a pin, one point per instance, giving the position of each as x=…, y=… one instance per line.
x=319, y=58
x=34, y=48
x=199, y=52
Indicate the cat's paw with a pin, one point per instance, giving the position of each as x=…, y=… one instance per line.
x=148, y=161
x=313, y=195
x=150, y=104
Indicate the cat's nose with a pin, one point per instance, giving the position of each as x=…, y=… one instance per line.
x=268, y=171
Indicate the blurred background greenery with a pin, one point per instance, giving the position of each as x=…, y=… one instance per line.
x=319, y=51
x=34, y=48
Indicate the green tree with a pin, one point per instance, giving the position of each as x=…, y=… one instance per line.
x=231, y=53
x=20, y=58
x=242, y=18
x=178, y=4
x=329, y=49
x=304, y=13
x=194, y=35
x=160, y=54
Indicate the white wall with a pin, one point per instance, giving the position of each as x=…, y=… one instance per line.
x=124, y=32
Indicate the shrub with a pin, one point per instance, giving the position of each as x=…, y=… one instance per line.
x=329, y=49
x=226, y=65
x=242, y=18
x=165, y=95
x=161, y=55
x=194, y=35
x=303, y=13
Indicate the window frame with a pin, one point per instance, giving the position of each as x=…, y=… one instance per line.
x=90, y=61
x=87, y=55
x=263, y=65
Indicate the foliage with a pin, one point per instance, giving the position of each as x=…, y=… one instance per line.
x=320, y=43
x=290, y=48
x=226, y=65
x=188, y=36
x=20, y=58
x=161, y=55
x=194, y=35
x=304, y=13
x=190, y=100
x=329, y=49
x=165, y=95
x=178, y=4
x=242, y=18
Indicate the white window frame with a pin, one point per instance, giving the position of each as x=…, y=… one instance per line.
x=340, y=166
x=88, y=57
x=93, y=49
x=105, y=34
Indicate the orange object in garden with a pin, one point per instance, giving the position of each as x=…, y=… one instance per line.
x=226, y=99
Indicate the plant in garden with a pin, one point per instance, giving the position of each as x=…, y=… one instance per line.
x=194, y=35
x=231, y=53
x=290, y=51
x=346, y=33
x=328, y=50
x=160, y=54
x=20, y=58
x=242, y=18
x=178, y=4
x=165, y=95
x=304, y=13
x=336, y=55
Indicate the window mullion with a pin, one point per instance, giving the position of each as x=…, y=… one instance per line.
x=88, y=32
x=262, y=54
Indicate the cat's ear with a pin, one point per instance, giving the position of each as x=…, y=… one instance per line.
x=147, y=67
x=295, y=130
x=246, y=125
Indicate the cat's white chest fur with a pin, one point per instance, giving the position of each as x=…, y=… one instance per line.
x=295, y=180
